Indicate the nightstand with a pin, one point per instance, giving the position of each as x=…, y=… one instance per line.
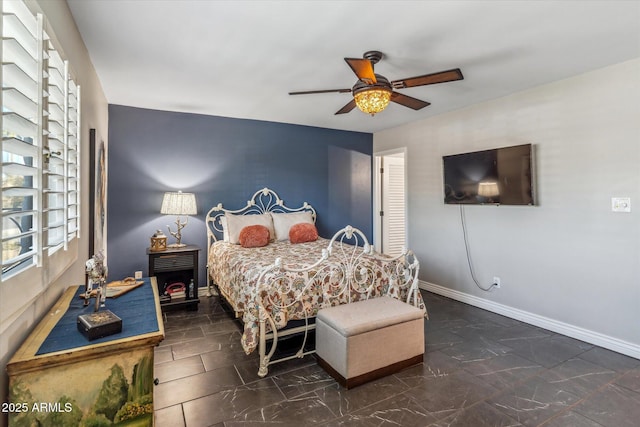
x=175, y=265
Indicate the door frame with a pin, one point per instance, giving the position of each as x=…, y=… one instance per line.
x=377, y=198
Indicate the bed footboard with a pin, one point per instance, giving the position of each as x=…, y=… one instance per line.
x=348, y=271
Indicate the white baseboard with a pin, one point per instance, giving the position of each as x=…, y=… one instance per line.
x=572, y=331
x=204, y=292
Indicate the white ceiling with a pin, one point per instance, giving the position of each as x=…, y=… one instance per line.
x=241, y=58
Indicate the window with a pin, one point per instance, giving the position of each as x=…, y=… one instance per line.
x=40, y=145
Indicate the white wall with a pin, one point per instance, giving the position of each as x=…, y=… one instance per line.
x=569, y=264
x=94, y=114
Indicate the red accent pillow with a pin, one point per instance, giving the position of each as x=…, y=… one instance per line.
x=254, y=236
x=303, y=232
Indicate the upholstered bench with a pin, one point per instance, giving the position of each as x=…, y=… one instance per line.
x=366, y=340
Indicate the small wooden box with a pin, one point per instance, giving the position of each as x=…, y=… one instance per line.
x=158, y=243
x=100, y=324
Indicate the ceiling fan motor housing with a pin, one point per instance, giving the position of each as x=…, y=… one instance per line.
x=382, y=83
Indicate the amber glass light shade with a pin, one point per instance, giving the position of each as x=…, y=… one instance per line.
x=372, y=101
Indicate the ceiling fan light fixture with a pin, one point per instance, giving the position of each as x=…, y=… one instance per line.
x=373, y=100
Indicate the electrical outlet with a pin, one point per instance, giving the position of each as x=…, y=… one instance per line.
x=137, y=275
x=496, y=280
x=621, y=204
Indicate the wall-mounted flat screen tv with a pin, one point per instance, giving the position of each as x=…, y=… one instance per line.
x=501, y=176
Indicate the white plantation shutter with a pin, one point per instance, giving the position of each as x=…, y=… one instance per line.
x=72, y=115
x=60, y=155
x=40, y=122
x=21, y=135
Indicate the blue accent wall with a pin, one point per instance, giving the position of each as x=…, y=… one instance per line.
x=225, y=160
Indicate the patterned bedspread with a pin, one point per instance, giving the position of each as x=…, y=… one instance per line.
x=236, y=270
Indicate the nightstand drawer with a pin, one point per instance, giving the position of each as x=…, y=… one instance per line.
x=173, y=263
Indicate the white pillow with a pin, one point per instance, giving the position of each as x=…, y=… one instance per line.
x=225, y=231
x=282, y=222
x=235, y=224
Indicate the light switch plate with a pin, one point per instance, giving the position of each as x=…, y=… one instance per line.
x=621, y=204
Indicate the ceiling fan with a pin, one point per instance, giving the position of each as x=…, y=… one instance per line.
x=372, y=92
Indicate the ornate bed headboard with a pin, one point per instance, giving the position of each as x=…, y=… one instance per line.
x=262, y=201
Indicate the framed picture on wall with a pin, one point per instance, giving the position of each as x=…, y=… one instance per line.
x=97, y=194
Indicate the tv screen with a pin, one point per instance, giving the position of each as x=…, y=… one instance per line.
x=501, y=176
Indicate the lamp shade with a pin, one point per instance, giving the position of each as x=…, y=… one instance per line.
x=179, y=203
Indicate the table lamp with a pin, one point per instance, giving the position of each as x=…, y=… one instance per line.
x=178, y=203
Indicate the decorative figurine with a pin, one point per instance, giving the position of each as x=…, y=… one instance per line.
x=96, y=277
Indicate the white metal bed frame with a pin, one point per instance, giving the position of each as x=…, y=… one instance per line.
x=346, y=270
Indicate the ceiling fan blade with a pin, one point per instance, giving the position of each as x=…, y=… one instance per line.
x=320, y=91
x=347, y=108
x=429, y=79
x=407, y=101
x=363, y=69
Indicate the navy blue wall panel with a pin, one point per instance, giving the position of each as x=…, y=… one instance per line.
x=225, y=160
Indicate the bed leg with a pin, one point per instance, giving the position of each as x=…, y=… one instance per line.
x=208, y=283
x=262, y=371
x=208, y=289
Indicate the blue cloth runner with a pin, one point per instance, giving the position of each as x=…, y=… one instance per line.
x=136, y=308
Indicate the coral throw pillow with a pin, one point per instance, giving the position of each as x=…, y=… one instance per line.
x=254, y=236
x=303, y=232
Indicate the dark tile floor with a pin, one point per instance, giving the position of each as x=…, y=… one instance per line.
x=479, y=369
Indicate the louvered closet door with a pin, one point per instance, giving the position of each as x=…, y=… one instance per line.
x=393, y=205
